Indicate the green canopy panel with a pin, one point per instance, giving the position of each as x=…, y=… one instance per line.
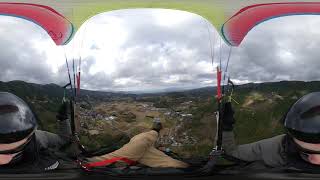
x=216, y=11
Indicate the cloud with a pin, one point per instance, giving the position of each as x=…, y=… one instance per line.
x=150, y=54
x=29, y=54
x=147, y=50
x=279, y=49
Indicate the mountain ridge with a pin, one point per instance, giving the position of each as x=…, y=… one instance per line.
x=259, y=109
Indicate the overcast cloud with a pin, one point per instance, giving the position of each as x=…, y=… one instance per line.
x=149, y=50
x=28, y=53
x=285, y=48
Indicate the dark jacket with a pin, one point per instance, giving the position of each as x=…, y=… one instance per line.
x=55, y=141
x=276, y=152
x=42, y=153
x=269, y=151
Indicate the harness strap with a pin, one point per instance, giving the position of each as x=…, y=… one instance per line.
x=108, y=162
x=78, y=82
x=219, y=93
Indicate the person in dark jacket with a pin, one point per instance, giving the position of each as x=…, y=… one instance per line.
x=299, y=148
x=23, y=148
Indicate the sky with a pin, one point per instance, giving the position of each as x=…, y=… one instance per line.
x=158, y=50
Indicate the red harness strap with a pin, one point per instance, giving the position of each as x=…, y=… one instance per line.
x=78, y=83
x=108, y=162
x=219, y=95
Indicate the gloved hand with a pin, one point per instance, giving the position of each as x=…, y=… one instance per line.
x=63, y=111
x=228, y=117
x=157, y=126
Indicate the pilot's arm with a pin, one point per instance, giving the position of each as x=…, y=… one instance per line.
x=269, y=151
x=64, y=134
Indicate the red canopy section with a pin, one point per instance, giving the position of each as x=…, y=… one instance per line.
x=238, y=26
x=57, y=26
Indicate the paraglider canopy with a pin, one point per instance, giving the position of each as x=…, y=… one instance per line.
x=216, y=12
x=238, y=26
x=57, y=26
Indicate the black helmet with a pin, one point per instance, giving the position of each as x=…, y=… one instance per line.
x=17, y=120
x=302, y=121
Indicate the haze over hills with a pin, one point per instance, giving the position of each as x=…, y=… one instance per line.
x=188, y=115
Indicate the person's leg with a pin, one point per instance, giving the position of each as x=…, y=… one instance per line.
x=156, y=158
x=141, y=148
x=134, y=149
